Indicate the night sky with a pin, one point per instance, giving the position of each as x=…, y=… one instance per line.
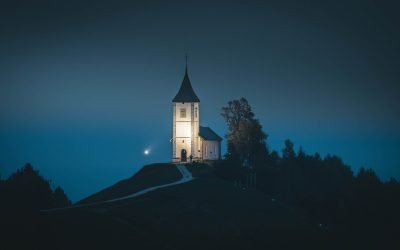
x=87, y=86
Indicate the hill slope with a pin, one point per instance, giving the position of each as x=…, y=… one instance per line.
x=150, y=175
x=206, y=213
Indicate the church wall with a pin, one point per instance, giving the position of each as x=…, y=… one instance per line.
x=185, y=106
x=196, y=140
x=211, y=150
x=185, y=129
x=183, y=144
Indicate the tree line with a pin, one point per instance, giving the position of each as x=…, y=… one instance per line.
x=324, y=188
x=26, y=191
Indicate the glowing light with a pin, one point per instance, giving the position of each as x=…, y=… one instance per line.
x=146, y=152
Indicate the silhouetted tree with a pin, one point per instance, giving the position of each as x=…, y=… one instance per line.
x=273, y=158
x=301, y=155
x=246, y=140
x=288, y=151
x=367, y=178
x=28, y=190
x=317, y=156
x=60, y=198
x=324, y=189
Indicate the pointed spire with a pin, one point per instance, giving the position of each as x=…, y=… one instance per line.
x=186, y=93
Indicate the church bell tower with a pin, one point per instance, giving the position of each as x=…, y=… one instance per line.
x=186, y=117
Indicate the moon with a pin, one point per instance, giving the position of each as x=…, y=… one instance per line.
x=146, y=152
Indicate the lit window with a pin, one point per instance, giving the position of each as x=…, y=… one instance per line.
x=183, y=113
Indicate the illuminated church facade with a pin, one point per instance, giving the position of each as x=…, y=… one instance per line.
x=190, y=141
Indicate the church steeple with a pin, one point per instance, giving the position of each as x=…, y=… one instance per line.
x=189, y=140
x=186, y=92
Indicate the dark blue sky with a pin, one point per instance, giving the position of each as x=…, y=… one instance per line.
x=86, y=86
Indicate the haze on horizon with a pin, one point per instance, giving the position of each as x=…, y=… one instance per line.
x=86, y=86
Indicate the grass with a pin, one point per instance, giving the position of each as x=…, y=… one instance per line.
x=200, y=169
x=206, y=213
x=148, y=176
x=212, y=214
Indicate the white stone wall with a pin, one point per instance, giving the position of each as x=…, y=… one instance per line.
x=196, y=128
x=211, y=150
x=186, y=129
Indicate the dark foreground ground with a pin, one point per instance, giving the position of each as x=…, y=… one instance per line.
x=207, y=213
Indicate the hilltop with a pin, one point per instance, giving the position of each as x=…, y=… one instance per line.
x=148, y=176
x=206, y=213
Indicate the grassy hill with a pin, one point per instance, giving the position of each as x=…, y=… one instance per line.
x=149, y=176
x=207, y=213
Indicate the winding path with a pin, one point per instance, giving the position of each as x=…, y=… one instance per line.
x=186, y=177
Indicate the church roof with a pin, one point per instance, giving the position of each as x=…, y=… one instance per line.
x=186, y=92
x=208, y=134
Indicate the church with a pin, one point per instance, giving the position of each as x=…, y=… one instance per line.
x=190, y=141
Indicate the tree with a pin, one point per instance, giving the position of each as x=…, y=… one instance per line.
x=246, y=140
x=27, y=190
x=301, y=155
x=367, y=178
x=60, y=198
x=288, y=151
